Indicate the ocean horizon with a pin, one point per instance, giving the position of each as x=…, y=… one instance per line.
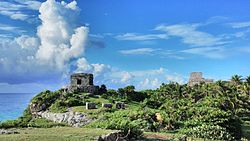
x=12, y=105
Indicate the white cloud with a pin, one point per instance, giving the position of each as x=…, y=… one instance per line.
x=140, y=37
x=149, y=73
x=175, y=78
x=5, y=35
x=240, y=24
x=7, y=6
x=61, y=41
x=30, y=4
x=20, y=5
x=126, y=76
x=84, y=66
x=153, y=52
x=72, y=5
x=138, y=51
x=27, y=42
x=190, y=35
x=10, y=28
x=148, y=83
x=141, y=79
x=59, y=48
x=210, y=52
x=216, y=19
x=15, y=15
x=47, y=56
x=18, y=16
x=16, y=10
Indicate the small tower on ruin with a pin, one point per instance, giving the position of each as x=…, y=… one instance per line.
x=196, y=78
x=81, y=79
x=82, y=82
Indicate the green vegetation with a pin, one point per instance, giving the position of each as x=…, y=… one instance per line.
x=212, y=111
x=55, y=134
x=217, y=111
x=246, y=129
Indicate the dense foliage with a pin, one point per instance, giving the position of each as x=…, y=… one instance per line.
x=212, y=111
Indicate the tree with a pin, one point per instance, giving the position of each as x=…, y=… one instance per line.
x=248, y=80
x=129, y=89
x=103, y=89
x=236, y=79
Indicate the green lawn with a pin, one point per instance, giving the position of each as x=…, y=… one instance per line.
x=75, y=134
x=55, y=134
x=83, y=109
x=98, y=100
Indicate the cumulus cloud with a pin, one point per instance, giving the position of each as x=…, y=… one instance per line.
x=58, y=49
x=48, y=55
x=27, y=42
x=176, y=78
x=114, y=77
x=60, y=40
x=150, y=83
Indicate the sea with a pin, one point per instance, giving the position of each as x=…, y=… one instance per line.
x=12, y=105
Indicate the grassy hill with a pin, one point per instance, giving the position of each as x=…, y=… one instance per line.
x=218, y=111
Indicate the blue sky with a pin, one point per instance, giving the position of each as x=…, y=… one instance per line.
x=141, y=43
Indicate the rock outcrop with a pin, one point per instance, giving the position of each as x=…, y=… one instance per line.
x=3, y=131
x=74, y=119
x=35, y=107
x=114, y=136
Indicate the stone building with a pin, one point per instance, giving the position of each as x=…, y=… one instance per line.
x=82, y=82
x=197, y=78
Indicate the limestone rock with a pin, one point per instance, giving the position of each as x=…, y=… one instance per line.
x=115, y=136
x=74, y=119
x=35, y=107
x=3, y=131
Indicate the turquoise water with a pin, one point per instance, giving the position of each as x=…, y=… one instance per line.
x=13, y=104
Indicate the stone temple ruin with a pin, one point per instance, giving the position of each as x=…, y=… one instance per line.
x=82, y=82
x=196, y=78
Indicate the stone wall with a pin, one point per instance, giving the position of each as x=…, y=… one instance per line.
x=82, y=82
x=196, y=78
x=81, y=79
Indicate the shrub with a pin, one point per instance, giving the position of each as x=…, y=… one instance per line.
x=58, y=107
x=209, y=132
x=43, y=123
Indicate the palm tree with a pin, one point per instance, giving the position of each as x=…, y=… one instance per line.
x=236, y=79
x=248, y=80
